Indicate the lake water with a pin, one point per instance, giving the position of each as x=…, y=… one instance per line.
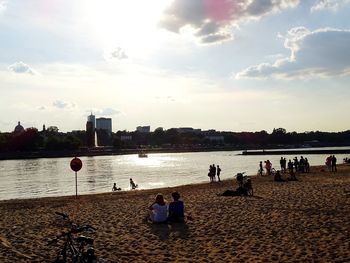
x=53, y=177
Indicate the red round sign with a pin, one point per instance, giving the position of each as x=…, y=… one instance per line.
x=76, y=164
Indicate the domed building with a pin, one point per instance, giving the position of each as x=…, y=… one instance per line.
x=19, y=128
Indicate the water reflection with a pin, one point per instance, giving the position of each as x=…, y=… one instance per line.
x=52, y=177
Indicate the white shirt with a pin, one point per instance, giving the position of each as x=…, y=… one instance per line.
x=160, y=213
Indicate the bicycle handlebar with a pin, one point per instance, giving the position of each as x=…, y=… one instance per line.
x=74, y=230
x=78, y=229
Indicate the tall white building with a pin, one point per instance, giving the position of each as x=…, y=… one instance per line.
x=104, y=124
x=91, y=118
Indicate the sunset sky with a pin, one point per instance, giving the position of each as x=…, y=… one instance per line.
x=229, y=65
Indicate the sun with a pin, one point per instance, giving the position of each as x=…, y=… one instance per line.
x=130, y=24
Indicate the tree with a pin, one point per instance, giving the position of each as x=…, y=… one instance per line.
x=52, y=129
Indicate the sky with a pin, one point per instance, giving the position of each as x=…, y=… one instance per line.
x=229, y=65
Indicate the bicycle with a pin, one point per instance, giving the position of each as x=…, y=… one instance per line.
x=245, y=182
x=70, y=252
x=260, y=173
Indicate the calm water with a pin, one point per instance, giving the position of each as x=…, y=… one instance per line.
x=53, y=177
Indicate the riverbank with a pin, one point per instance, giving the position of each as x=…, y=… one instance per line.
x=305, y=221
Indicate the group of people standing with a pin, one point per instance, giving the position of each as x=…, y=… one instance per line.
x=301, y=165
x=331, y=163
x=214, y=173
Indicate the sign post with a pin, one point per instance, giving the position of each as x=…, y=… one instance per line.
x=75, y=165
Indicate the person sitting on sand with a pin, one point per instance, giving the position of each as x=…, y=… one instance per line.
x=158, y=211
x=240, y=191
x=132, y=184
x=176, y=209
x=278, y=177
x=115, y=188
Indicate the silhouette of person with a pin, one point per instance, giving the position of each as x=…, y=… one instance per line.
x=115, y=188
x=132, y=184
x=334, y=163
x=218, y=171
x=176, y=209
x=261, y=169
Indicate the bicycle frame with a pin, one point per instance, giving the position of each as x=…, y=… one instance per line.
x=70, y=248
x=72, y=251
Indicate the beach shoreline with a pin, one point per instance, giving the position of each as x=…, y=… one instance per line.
x=307, y=220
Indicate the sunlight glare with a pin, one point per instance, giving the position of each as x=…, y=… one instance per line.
x=131, y=25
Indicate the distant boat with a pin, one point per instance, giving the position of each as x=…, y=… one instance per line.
x=142, y=155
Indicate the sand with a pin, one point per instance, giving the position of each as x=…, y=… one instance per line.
x=303, y=221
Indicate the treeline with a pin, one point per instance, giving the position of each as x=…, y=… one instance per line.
x=33, y=140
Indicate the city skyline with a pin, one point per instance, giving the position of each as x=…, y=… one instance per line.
x=243, y=65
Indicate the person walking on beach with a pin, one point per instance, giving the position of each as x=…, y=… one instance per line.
x=158, y=211
x=218, y=171
x=176, y=209
x=261, y=169
x=334, y=163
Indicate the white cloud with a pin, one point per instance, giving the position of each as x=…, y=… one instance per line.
x=165, y=99
x=106, y=112
x=212, y=20
x=20, y=67
x=117, y=53
x=3, y=6
x=328, y=5
x=321, y=53
x=60, y=104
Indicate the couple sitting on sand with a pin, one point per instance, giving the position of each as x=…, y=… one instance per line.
x=160, y=212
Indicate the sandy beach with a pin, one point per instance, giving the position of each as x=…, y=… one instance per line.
x=300, y=221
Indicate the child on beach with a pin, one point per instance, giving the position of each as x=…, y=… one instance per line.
x=158, y=211
x=115, y=188
x=132, y=184
x=176, y=209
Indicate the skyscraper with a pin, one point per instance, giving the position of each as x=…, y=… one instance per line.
x=91, y=118
x=104, y=124
x=90, y=134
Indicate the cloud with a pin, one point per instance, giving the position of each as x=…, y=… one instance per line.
x=212, y=20
x=107, y=112
x=165, y=99
x=328, y=5
x=3, y=6
x=320, y=53
x=117, y=53
x=60, y=104
x=20, y=67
